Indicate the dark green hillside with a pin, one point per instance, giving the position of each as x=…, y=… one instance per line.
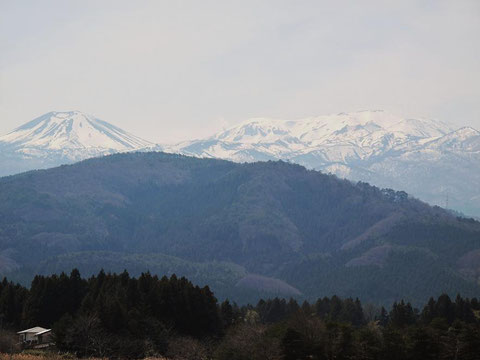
x=170, y=213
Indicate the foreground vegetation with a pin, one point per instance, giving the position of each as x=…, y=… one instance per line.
x=112, y=315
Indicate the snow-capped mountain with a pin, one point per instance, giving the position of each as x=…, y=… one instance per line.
x=322, y=142
x=60, y=138
x=429, y=159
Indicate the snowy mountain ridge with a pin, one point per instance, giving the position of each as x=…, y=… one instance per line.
x=339, y=138
x=427, y=158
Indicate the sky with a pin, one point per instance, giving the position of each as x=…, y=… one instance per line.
x=169, y=71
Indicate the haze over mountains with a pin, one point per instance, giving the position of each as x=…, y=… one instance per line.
x=429, y=159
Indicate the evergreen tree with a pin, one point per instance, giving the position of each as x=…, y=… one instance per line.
x=226, y=314
x=402, y=314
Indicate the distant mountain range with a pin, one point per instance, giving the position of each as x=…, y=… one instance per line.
x=247, y=230
x=429, y=159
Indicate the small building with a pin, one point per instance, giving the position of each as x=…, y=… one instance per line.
x=36, y=337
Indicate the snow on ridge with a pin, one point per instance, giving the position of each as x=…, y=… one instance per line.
x=464, y=140
x=313, y=130
x=335, y=138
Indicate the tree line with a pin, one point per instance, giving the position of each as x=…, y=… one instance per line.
x=116, y=315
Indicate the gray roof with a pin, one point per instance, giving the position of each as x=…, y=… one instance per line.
x=37, y=330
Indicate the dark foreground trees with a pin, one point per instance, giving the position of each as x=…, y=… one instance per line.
x=110, y=314
x=307, y=335
x=115, y=315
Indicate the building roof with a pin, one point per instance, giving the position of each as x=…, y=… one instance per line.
x=43, y=332
x=37, y=330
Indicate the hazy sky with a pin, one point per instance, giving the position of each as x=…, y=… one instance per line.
x=174, y=70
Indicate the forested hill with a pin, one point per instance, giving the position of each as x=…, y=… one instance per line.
x=245, y=229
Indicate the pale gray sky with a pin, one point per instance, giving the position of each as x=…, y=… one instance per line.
x=174, y=70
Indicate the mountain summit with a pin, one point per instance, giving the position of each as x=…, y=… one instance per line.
x=72, y=130
x=63, y=137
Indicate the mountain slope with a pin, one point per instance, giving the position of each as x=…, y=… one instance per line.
x=296, y=230
x=423, y=157
x=62, y=137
